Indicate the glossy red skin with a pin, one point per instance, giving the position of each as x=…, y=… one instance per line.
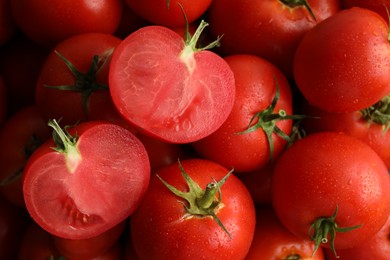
x=351, y=72
x=374, y=5
x=171, y=17
x=169, y=236
x=267, y=28
x=20, y=63
x=37, y=244
x=18, y=133
x=7, y=25
x=114, y=169
x=273, y=241
x=351, y=123
x=374, y=248
x=48, y=22
x=68, y=105
x=325, y=170
x=255, y=89
x=163, y=97
x=92, y=247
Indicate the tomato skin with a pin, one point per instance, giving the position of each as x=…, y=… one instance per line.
x=374, y=248
x=267, y=28
x=68, y=105
x=114, y=167
x=351, y=71
x=172, y=17
x=255, y=89
x=273, y=241
x=170, y=97
x=170, y=236
x=22, y=133
x=60, y=19
x=374, y=5
x=321, y=172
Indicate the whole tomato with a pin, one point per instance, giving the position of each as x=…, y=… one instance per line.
x=195, y=209
x=268, y=28
x=48, y=22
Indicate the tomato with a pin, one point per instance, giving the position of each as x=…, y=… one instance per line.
x=378, y=6
x=13, y=221
x=7, y=24
x=369, y=125
x=351, y=72
x=374, y=248
x=37, y=244
x=328, y=183
x=20, y=57
x=269, y=29
x=92, y=180
x=20, y=136
x=273, y=241
x=168, y=89
x=193, y=223
x=49, y=22
x=78, y=91
x=92, y=247
x=250, y=136
x=169, y=13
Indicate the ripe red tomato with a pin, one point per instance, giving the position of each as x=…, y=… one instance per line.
x=163, y=85
x=92, y=180
x=48, y=22
x=351, y=70
x=273, y=241
x=168, y=12
x=20, y=136
x=257, y=82
x=376, y=247
x=378, y=6
x=269, y=29
x=329, y=181
x=364, y=125
x=83, y=94
x=166, y=226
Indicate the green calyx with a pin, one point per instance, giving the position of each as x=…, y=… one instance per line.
x=85, y=83
x=297, y=3
x=267, y=119
x=324, y=227
x=66, y=144
x=201, y=202
x=379, y=113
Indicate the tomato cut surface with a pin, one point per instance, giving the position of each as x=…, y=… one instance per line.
x=169, y=89
x=90, y=188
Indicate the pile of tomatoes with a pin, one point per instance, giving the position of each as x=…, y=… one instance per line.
x=209, y=129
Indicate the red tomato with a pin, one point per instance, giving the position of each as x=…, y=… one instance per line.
x=376, y=247
x=93, y=179
x=20, y=63
x=7, y=24
x=273, y=241
x=329, y=181
x=256, y=83
x=49, y=22
x=351, y=72
x=166, y=226
x=92, y=247
x=378, y=6
x=171, y=91
x=364, y=125
x=86, y=95
x=20, y=136
x=168, y=12
x=268, y=28
x=37, y=244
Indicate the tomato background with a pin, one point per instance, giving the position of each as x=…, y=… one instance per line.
x=269, y=30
